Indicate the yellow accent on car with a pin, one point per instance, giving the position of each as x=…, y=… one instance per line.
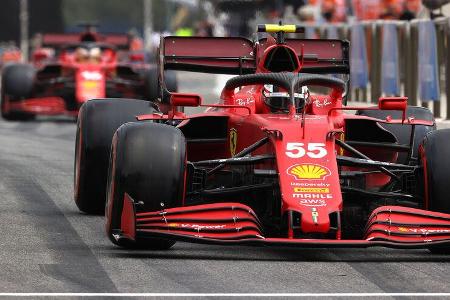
x=233, y=141
x=306, y=171
x=311, y=190
x=278, y=28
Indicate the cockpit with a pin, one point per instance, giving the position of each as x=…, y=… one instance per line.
x=90, y=53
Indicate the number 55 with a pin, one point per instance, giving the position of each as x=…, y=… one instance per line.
x=297, y=150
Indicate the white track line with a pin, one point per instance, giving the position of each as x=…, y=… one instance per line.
x=224, y=295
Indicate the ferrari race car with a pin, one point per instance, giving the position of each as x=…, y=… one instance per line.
x=69, y=69
x=276, y=161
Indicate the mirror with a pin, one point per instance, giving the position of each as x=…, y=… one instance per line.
x=40, y=55
x=137, y=57
x=183, y=99
x=393, y=103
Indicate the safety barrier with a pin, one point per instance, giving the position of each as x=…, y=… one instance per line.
x=397, y=58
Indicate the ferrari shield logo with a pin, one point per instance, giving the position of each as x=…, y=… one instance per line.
x=233, y=141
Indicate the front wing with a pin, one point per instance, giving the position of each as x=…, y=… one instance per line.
x=40, y=106
x=237, y=224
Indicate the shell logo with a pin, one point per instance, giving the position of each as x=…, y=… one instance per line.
x=309, y=171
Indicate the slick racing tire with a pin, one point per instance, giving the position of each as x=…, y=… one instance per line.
x=152, y=87
x=148, y=162
x=18, y=80
x=170, y=78
x=98, y=119
x=435, y=161
x=17, y=84
x=403, y=132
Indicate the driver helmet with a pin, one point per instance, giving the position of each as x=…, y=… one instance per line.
x=81, y=54
x=84, y=55
x=95, y=54
x=278, y=100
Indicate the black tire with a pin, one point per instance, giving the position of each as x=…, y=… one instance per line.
x=170, y=78
x=151, y=83
x=435, y=159
x=18, y=80
x=97, y=121
x=17, y=84
x=148, y=162
x=403, y=132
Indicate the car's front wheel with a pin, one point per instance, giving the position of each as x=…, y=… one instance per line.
x=148, y=163
x=435, y=161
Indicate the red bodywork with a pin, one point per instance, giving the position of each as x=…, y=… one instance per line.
x=64, y=81
x=307, y=165
x=10, y=55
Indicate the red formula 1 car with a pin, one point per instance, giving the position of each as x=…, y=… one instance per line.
x=70, y=69
x=277, y=161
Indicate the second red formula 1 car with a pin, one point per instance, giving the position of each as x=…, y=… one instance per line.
x=69, y=69
x=277, y=161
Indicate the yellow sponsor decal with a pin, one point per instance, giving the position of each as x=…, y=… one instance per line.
x=89, y=84
x=311, y=190
x=403, y=229
x=233, y=141
x=278, y=28
x=172, y=225
x=309, y=171
x=342, y=138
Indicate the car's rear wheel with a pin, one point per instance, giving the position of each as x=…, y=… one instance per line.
x=98, y=119
x=403, y=132
x=152, y=87
x=147, y=163
x=435, y=160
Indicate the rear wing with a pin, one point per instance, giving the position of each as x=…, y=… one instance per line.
x=237, y=56
x=57, y=40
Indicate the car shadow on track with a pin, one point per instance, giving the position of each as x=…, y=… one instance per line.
x=45, y=119
x=55, y=119
x=237, y=253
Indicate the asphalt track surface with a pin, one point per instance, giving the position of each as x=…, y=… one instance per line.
x=46, y=245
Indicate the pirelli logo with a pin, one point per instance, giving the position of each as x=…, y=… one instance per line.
x=311, y=190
